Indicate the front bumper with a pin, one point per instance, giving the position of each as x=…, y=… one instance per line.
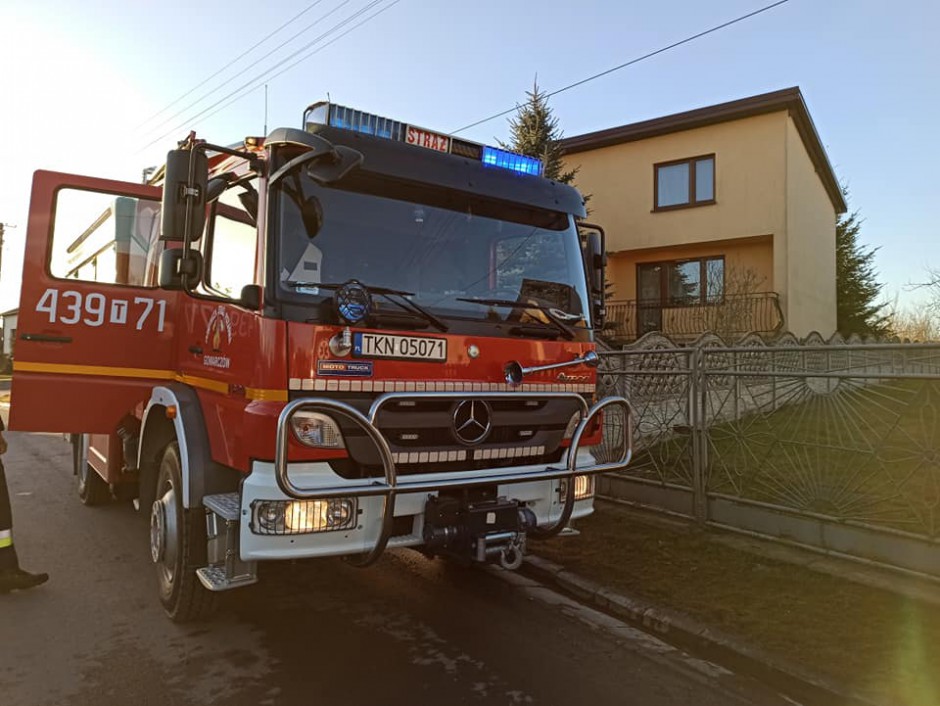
x=540, y=496
x=382, y=500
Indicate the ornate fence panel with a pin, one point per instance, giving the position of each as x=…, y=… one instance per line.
x=656, y=378
x=831, y=445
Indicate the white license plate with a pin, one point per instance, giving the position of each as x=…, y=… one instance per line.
x=380, y=345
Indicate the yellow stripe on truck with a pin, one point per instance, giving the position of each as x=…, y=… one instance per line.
x=108, y=370
x=252, y=393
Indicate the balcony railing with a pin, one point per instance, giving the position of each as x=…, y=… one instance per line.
x=732, y=317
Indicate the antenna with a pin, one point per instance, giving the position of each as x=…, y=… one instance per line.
x=265, y=110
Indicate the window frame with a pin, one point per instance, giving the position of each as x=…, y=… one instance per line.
x=92, y=259
x=692, y=202
x=704, y=299
x=220, y=209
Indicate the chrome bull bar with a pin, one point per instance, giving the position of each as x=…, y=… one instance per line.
x=390, y=486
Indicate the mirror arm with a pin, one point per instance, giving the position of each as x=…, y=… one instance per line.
x=296, y=162
x=253, y=160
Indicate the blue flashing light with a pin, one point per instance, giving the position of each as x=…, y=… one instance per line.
x=366, y=123
x=496, y=157
x=340, y=116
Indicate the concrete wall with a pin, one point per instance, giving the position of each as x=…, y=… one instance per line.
x=809, y=294
x=750, y=172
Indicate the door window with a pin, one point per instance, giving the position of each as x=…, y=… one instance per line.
x=230, y=247
x=105, y=238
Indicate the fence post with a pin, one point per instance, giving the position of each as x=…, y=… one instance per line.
x=698, y=409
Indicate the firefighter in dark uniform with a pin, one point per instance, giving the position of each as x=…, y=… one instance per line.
x=12, y=577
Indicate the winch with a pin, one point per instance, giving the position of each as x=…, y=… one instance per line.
x=479, y=528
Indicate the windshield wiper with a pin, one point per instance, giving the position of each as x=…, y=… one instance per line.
x=390, y=294
x=549, y=311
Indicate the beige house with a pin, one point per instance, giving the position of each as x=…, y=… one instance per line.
x=721, y=218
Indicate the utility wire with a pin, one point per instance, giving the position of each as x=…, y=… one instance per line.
x=265, y=74
x=304, y=58
x=233, y=61
x=250, y=66
x=631, y=62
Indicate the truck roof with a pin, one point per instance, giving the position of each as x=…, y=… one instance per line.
x=398, y=160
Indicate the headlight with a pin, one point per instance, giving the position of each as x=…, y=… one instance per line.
x=583, y=488
x=304, y=516
x=572, y=425
x=317, y=430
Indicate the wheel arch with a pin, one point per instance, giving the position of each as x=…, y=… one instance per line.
x=187, y=426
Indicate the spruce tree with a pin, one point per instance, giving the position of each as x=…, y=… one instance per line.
x=535, y=133
x=857, y=285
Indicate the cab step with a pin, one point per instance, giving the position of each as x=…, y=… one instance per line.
x=216, y=578
x=226, y=570
x=225, y=505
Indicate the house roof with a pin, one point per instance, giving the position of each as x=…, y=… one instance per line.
x=789, y=99
x=11, y=312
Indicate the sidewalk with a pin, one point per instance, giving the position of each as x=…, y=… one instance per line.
x=867, y=635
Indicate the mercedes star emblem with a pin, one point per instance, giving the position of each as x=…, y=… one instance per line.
x=472, y=421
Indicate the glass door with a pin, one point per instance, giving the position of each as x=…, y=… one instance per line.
x=649, y=295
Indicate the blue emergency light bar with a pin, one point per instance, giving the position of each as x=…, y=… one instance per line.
x=510, y=160
x=344, y=118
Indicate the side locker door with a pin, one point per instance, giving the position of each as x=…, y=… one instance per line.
x=95, y=332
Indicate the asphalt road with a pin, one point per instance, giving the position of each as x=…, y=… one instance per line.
x=408, y=631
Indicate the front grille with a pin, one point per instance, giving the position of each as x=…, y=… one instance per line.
x=421, y=436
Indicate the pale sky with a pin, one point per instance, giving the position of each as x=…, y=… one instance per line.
x=81, y=82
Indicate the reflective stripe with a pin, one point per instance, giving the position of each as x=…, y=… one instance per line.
x=6, y=538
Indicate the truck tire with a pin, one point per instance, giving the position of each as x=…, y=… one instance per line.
x=92, y=490
x=178, y=545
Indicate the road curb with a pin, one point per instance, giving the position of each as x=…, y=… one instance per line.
x=682, y=629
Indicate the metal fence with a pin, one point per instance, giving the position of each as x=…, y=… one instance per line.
x=831, y=445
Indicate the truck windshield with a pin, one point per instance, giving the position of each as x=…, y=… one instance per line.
x=442, y=248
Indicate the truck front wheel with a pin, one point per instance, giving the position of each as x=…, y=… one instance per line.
x=178, y=545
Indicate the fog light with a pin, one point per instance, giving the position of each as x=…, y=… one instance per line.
x=583, y=488
x=304, y=516
x=271, y=516
x=317, y=430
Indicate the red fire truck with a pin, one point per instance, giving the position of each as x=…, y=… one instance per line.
x=356, y=335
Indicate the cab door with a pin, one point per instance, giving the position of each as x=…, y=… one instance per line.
x=95, y=332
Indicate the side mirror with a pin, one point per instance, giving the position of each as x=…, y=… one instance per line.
x=176, y=264
x=311, y=213
x=184, y=195
x=216, y=187
x=251, y=297
x=595, y=260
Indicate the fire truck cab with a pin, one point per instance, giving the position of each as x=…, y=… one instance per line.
x=333, y=340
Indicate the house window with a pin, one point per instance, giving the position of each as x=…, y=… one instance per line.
x=682, y=282
x=684, y=183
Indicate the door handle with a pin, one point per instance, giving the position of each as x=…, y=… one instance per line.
x=45, y=338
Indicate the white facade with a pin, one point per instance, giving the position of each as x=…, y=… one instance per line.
x=9, y=331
